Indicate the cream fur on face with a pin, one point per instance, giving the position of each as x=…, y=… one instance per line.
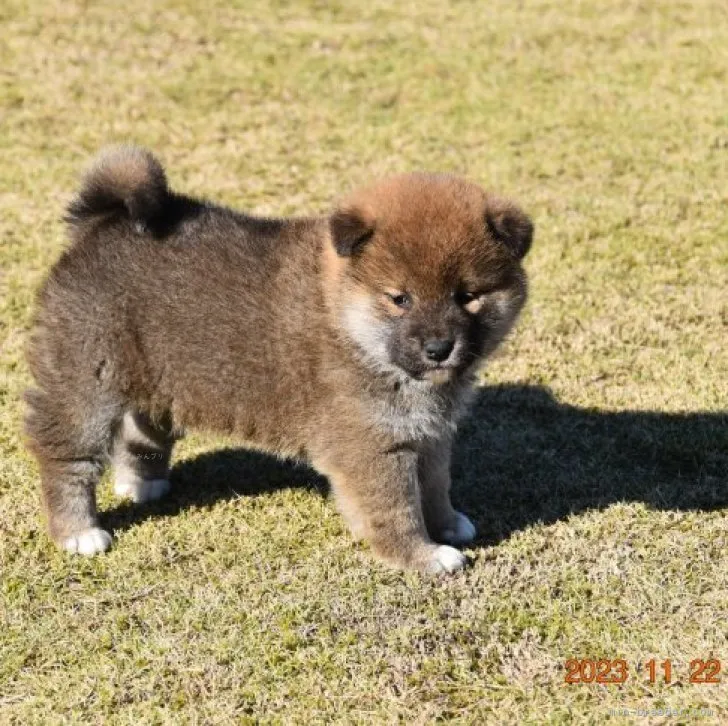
x=368, y=333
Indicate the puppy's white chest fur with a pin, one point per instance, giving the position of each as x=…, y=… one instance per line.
x=418, y=410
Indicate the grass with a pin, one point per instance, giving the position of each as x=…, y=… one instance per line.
x=595, y=462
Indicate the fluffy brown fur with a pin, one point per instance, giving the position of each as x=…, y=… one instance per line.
x=350, y=340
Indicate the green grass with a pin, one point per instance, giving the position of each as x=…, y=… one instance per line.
x=596, y=461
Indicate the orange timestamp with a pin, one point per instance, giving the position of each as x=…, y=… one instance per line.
x=616, y=671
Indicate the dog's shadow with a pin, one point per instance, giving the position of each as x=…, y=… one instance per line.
x=521, y=457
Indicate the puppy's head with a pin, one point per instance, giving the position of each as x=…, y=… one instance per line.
x=427, y=273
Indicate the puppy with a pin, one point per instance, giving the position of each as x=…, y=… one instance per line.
x=350, y=341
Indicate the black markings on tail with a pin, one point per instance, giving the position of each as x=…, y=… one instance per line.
x=126, y=181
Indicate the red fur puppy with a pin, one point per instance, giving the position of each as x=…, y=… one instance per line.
x=351, y=341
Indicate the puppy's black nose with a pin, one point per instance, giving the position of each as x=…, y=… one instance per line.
x=438, y=350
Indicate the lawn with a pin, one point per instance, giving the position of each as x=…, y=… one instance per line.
x=596, y=459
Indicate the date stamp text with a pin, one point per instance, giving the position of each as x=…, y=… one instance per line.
x=616, y=671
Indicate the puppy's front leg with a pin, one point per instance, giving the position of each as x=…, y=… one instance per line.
x=444, y=523
x=379, y=495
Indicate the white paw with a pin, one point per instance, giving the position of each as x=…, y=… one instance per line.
x=447, y=559
x=140, y=490
x=462, y=533
x=88, y=542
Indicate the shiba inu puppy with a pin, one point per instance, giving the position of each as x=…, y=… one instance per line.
x=350, y=340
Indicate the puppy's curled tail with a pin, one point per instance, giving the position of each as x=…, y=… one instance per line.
x=125, y=181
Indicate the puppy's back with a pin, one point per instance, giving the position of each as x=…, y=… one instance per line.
x=176, y=300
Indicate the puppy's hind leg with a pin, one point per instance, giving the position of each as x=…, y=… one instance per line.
x=69, y=496
x=70, y=457
x=141, y=453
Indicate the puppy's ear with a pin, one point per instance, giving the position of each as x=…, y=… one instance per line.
x=350, y=230
x=510, y=226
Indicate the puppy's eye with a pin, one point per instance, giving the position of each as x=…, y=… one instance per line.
x=470, y=301
x=401, y=300
x=464, y=298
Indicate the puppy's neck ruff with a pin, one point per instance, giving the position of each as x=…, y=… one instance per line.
x=405, y=407
x=419, y=410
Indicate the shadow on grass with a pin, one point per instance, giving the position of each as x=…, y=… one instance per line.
x=521, y=457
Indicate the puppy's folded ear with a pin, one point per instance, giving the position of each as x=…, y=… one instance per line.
x=350, y=230
x=510, y=226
